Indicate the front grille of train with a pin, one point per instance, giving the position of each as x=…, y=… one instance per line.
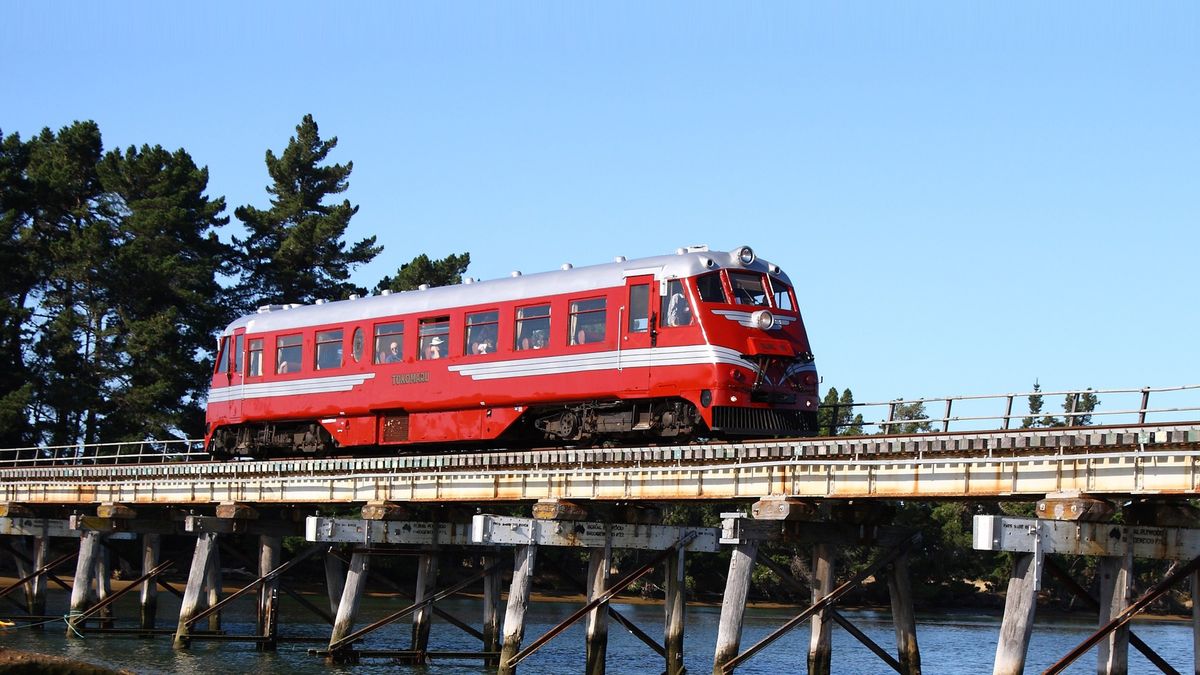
x=763, y=421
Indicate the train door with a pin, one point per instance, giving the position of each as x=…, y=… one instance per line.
x=237, y=372
x=639, y=331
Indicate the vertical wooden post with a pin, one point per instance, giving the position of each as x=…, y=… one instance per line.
x=900, y=591
x=356, y=581
x=269, y=547
x=202, y=559
x=491, y=610
x=104, y=584
x=597, y=620
x=1116, y=577
x=518, y=601
x=25, y=566
x=151, y=546
x=733, y=605
x=674, y=606
x=427, y=569
x=41, y=555
x=1019, y=605
x=85, y=571
x=820, y=649
x=335, y=579
x=214, y=588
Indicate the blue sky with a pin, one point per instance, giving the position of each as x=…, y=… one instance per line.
x=969, y=196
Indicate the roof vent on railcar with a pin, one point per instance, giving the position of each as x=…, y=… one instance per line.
x=566, y=266
x=423, y=287
x=354, y=296
x=468, y=280
x=619, y=259
x=515, y=273
x=386, y=291
x=269, y=308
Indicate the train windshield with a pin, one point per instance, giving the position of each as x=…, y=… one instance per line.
x=748, y=288
x=783, y=296
x=710, y=288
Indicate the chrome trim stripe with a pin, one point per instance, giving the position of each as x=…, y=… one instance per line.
x=610, y=360
x=743, y=318
x=314, y=385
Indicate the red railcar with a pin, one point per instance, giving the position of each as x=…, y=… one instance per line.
x=699, y=343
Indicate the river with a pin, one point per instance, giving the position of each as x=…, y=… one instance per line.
x=950, y=642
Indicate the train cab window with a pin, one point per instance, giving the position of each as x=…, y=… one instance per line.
x=289, y=353
x=434, y=338
x=239, y=348
x=587, y=321
x=710, y=288
x=256, y=355
x=532, y=327
x=356, y=345
x=389, y=342
x=748, y=288
x=676, y=310
x=639, y=308
x=329, y=349
x=482, y=329
x=223, y=356
x=783, y=296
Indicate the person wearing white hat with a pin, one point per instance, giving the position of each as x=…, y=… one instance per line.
x=434, y=350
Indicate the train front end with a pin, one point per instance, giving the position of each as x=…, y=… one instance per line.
x=765, y=381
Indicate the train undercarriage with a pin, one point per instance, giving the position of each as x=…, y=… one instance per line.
x=594, y=423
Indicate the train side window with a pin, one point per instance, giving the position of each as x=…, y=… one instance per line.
x=532, y=327
x=256, y=350
x=676, y=310
x=289, y=353
x=329, y=349
x=434, y=334
x=710, y=288
x=238, y=353
x=389, y=342
x=356, y=345
x=482, y=329
x=639, y=308
x=587, y=321
x=222, y=347
x=748, y=288
x=783, y=296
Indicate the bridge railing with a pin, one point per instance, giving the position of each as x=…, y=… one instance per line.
x=97, y=454
x=1079, y=407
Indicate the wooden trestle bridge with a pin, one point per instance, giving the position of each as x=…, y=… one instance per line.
x=823, y=491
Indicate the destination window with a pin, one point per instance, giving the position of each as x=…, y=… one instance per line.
x=389, y=342
x=329, y=349
x=532, y=327
x=587, y=321
x=289, y=354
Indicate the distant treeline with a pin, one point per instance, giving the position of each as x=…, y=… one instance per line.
x=117, y=274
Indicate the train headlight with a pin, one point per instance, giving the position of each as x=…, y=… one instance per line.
x=763, y=320
x=745, y=255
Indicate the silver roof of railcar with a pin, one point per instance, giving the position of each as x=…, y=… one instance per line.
x=684, y=263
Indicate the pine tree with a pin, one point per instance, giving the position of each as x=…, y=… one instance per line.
x=16, y=285
x=850, y=426
x=1081, y=404
x=294, y=251
x=423, y=270
x=911, y=418
x=167, y=302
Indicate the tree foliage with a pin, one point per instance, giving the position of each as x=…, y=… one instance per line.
x=836, y=416
x=294, y=251
x=423, y=270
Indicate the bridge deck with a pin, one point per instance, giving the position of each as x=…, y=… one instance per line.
x=1133, y=459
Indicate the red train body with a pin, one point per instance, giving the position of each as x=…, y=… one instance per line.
x=666, y=348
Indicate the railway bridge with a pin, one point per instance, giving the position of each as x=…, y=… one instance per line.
x=823, y=490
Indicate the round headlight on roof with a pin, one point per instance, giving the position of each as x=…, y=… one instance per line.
x=745, y=255
x=762, y=320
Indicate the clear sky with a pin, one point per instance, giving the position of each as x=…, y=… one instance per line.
x=969, y=196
